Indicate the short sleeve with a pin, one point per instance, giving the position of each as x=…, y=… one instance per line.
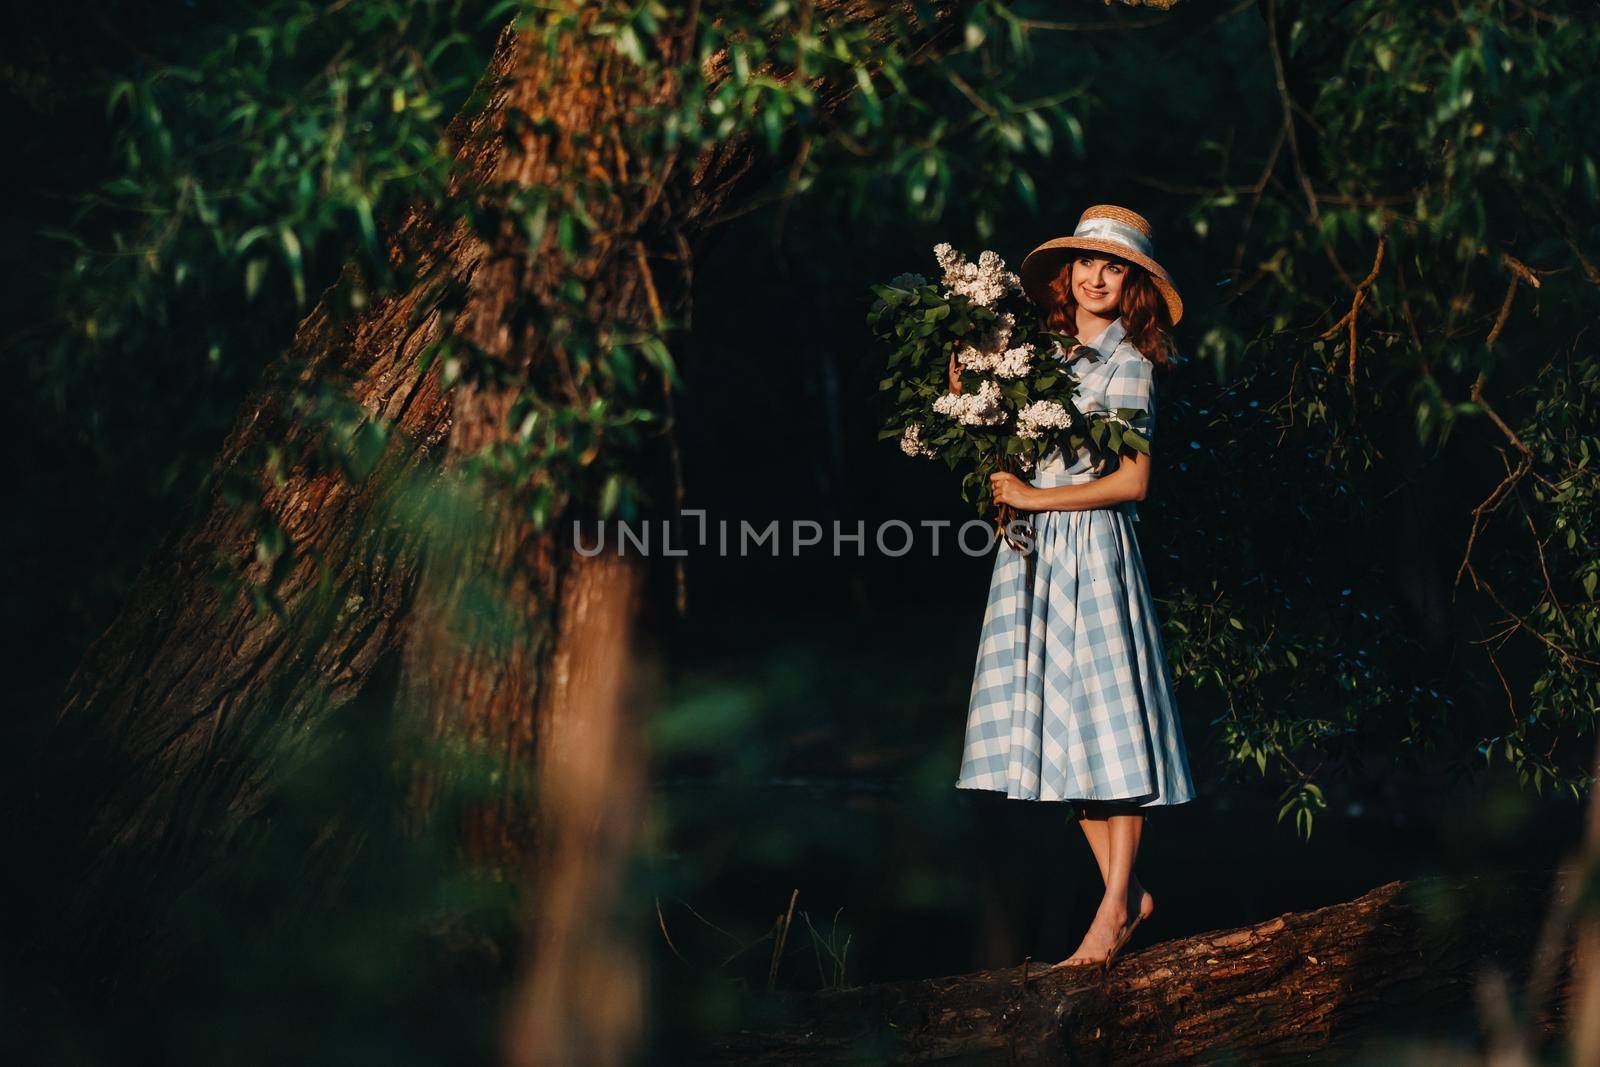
x=1133, y=385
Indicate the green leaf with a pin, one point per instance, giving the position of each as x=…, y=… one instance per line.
x=292, y=254
x=609, y=495
x=254, y=272
x=1027, y=192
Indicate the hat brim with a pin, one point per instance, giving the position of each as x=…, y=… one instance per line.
x=1041, y=265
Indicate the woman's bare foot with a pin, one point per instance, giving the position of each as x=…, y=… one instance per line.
x=1096, y=946
x=1109, y=923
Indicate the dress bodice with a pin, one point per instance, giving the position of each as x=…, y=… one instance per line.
x=1112, y=374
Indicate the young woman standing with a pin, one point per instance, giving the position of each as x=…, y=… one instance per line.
x=1071, y=697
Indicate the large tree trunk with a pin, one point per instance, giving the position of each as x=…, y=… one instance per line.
x=1282, y=991
x=165, y=717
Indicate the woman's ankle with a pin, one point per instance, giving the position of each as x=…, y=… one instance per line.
x=1115, y=907
x=1140, y=901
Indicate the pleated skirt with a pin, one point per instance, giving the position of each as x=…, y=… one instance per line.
x=1071, y=694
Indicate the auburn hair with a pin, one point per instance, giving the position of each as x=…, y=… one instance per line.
x=1142, y=308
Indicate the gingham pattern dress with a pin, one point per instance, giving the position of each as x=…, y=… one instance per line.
x=1071, y=696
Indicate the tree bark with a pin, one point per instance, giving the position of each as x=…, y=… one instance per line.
x=1281, y=991
x=162, y=724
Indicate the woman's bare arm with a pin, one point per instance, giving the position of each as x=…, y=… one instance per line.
x=1130, y=481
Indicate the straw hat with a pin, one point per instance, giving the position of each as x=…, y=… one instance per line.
x=1102, y=228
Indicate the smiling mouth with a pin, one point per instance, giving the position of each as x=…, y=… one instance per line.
x=1092, y=294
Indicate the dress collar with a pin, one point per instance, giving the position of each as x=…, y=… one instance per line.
x=1102, y=347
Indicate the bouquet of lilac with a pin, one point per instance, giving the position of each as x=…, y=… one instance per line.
x=1017, y=400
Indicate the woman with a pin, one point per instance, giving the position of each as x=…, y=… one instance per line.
x=1071, y=698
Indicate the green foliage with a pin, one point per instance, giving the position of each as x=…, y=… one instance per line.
x=1305, y=800
x=1448, y=151
x=244, y=175
x=1555, y=496
x=293, y=138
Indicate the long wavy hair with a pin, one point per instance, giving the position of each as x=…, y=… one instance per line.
x=1143, y=309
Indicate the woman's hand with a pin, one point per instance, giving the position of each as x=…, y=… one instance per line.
x=1009, y=489
x=955, y=373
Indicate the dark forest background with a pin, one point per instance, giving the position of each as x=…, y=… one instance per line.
x=1357, y=710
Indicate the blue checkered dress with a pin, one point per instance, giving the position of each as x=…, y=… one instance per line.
x=1071, y=696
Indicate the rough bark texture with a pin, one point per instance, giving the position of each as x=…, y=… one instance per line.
x=473, y=679
x=1281, y=991
x=168, y=704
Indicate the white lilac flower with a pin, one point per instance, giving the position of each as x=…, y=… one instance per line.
x=909, y=280
x=1025, y=461
x=911, y=442
x=1042, y=415
x=993, y=341
x=998, y=336
x=984, y=282
x=976, y=359
x=973, y=409
x=1014, y=362
x=985, y=348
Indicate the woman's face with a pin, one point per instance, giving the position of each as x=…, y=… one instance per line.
x=1097, y=282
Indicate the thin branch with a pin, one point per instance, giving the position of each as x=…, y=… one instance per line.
x=1567, y=654
x=1281, y=81
x=661, y=921
x=1545, y=570
x=1499, y=493
x=1355, y=307
x=969, y=92
x=1255, y=198
x=1511, y=701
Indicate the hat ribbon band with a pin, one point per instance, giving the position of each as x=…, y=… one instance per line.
x=1116, y=231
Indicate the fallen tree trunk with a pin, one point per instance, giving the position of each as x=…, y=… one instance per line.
x=1277, y=992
